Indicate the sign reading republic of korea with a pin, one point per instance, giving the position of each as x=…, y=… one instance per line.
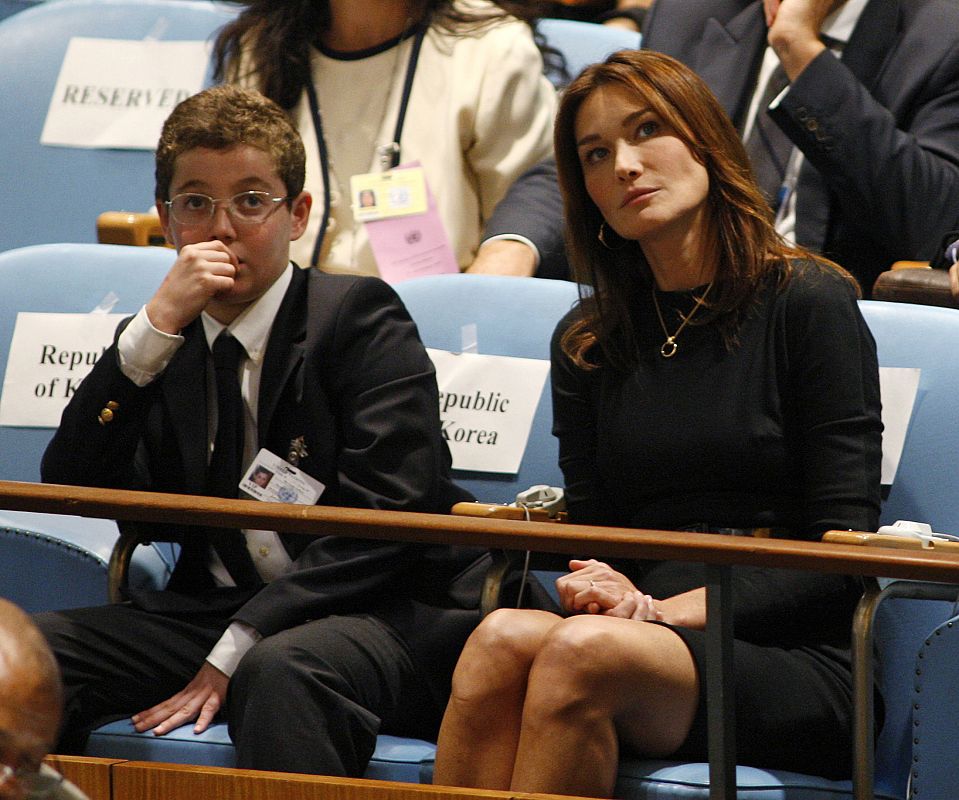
x=116, y=93
x=49, y=355
x=487, y=404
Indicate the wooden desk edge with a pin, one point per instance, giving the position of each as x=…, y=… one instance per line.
x=155, y=781
x=93, y=776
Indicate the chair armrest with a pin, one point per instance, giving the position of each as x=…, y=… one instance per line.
x=499, y=511
x=921, y=285
x=130, y=228
x=503, y=561
x=863, y=640
x=132, y=535
x=889, y=540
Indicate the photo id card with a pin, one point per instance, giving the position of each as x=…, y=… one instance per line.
x=274, y=480
x=383, y=195
x=411, y=245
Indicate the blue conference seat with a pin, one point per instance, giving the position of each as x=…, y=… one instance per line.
x=10, y=7
x=584, y=43
x=49, y=561
x=902, y=625
x=925, y=490
x=395, y=758
x=513, y=317
x=934, y=770
x=516, y=316
x=54, y=194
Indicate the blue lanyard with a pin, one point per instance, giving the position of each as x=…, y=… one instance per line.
x=389, y=154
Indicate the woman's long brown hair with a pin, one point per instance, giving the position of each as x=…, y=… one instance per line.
x=748, y=247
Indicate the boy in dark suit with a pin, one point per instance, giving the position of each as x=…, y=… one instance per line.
x=310, y=646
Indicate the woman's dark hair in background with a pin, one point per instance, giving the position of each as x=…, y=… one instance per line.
x=285, y=30
x=749, y=247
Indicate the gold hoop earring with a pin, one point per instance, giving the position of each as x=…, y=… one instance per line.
x=601, y=235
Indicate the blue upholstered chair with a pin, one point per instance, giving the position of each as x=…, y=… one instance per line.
x=10, y=7
x=395, y=758
x=935, y=768
x=513, y=317
x=902, y=625
x=926, y=489
x=584, y=43
x=49, y=561
x=54, y=194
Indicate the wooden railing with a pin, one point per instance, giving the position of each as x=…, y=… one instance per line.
x=546, y=537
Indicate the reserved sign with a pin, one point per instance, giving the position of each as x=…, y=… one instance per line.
x=114, y=93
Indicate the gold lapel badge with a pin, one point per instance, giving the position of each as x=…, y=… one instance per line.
x=297, y=450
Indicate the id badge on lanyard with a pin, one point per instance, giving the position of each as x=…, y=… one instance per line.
x=402, y=222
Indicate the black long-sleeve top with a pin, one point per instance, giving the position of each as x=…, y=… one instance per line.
x=780, y=430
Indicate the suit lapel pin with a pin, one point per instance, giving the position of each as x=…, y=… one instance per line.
x=297, y=450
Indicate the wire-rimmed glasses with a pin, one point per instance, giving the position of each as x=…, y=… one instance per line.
x=244, y=208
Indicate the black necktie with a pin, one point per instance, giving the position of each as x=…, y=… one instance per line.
x=768, y=147
x=226, y=461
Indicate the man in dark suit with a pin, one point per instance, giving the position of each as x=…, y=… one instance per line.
x=874, y=123
x=312, y=646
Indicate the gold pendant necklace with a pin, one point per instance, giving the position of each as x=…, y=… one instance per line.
x=669, y=348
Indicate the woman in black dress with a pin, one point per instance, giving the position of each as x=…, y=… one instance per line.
x=715, y=379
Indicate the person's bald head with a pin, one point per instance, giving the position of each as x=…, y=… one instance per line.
x=30, y=690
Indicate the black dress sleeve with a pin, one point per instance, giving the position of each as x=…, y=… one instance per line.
x=575, y=411
x=833, y=404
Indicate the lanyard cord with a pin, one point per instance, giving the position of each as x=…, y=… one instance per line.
x=325, y=166
x=389, y=154
x=394, y=146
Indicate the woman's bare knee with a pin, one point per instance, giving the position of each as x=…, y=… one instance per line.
x=500, y=652
x=596, y=669
x=573, y=663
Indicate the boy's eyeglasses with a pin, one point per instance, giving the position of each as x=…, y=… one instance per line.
x=33, y=784
x=244, y=208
